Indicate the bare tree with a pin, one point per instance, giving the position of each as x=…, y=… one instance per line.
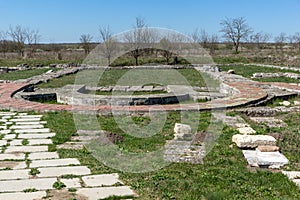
x=213, y=42
x=4, y=43
x=137, y=38
x=281, y=39
x=18, y=35
x=85, y=40
x=32, y=38
x=109, y=44
x=260, y=38
x=235, y=30
x=201, y=37
x=296, y=39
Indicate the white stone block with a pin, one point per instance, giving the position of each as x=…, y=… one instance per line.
x=23, y=196
x=20, y=185
x=17, y=156
x=292, y=174
x=253, y=141
x=58, y=171
x=12, y=165
x=23, y=149
x=3, y=143
x=71, y=183
x=246, y=131
x=35, y=126
x=105, y=192
x=43, y=155
x=40, y=130
x=10, y=136
x=14, y=174
x=36, y=135
x=54, y=162
x=101, y=180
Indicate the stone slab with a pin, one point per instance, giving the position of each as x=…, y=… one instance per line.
x=271, y=159
x=297, y=181
x=5, y=131
x=105, y=192
x=43, y=155
x=246, y=130
x=14, y=174
x=39, y=130
x=10, y=136
x=7, y=113
x=31, y=123
x=17, y=156
x=28, y=116
x=3, y=143
x=20, y=185
x=71, y=183
x=18, y=142
x=12, y=165
x=23, y=149
x=25, y=119
x=253, y=141
x=36, y=136
x=27, y=126
x=54, y=162
x=58, y=171
x=23, y=196
x=292, y=174
x=3, y=127
x=101, y=180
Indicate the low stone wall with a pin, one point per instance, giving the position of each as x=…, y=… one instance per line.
x=276, y=75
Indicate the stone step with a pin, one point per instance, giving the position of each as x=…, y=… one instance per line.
x=39, y=130
x=18, y=142
x=292, y=174
x=10, y=136
x=43, y=155
x=297, y=181
x=36, y=135
x=14, y=174
x=19, y=156
x=20, y=185
x=101, y=180
x=54, y=162
x=12, y=165
x=3, y=143
x=23, y=149
x=71, y=183
x=58, y=171
x=23, y=195
x=31, y=123
x=35, y=126
x=5, y=131
x=105, y=192
x=28, y=116
x=25, y=119
x=7, y=114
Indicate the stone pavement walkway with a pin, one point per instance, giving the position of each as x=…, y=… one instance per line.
x=29, y=171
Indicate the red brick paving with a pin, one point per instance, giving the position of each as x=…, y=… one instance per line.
x=248, y=94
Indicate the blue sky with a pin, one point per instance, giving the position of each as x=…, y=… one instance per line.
x=66, y=20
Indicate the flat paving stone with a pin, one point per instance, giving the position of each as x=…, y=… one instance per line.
x=36, y=135
x=31, y=123
x=18, y=142
x=23, y=195
x=105, y=192
x=39, y=130
x=3, y=142
x=5, y=131
x=20, y=185
x=292, y=174
x=58, y=171
x=43, y=155
x=26, y=126
x=101, y=180
x=10, y=136
x=297, y=181
x=14, y=174
x=7, y=113
x=71, y=183
x=17, y=156
x=271, y=159
x=3, y=127
x=12, y=165
x=54, y=162
x=28, y=116
x=25, y=119
x=14, y=149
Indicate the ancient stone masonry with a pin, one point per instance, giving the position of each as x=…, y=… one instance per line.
x=27, y=165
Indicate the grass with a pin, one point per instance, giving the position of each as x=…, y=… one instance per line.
x=23, y=74
x=33, y=62
x=58, y=185
x=34, y=171
x=133, y=77
x=249, y=70
x=224, y=174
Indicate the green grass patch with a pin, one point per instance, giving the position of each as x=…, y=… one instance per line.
x=33, y=62
x=59, y=185
x=16, y=75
